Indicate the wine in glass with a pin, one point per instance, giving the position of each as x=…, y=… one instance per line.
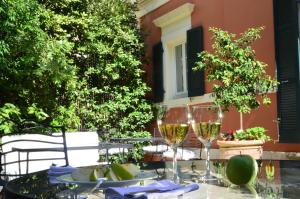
x=206, y=123
x=173, y=124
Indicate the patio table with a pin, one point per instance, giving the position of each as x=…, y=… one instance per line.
x=285, y=184
x=154, y=139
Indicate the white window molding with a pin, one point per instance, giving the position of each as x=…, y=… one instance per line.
x=169, y=42
x=147, y=6
x=206, y=98
x=174, y=26
x=175, y=15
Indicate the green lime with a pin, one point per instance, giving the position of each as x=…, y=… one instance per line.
x=241, y=169
x=94, y=175
x=132, y=168
x=121, y=172
x=110, y=175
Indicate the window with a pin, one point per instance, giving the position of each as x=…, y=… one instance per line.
x=180, y=67
x=174, y=26
x=175, y=56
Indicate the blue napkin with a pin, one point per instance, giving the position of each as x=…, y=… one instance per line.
x=160, y=189
x=164, y=195
x=55, y=171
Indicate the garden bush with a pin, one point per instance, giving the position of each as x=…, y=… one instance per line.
x=78, y=62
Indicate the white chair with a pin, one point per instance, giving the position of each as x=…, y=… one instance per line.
x=45, y=158
x=80, y=157
x=36, y=148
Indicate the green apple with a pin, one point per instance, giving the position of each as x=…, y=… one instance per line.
x=241, y=169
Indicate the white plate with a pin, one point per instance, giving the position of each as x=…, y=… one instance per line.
x=141, y=176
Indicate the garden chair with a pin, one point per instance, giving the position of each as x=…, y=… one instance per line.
x=42, y=146
x=110, y=146
x=81, y=157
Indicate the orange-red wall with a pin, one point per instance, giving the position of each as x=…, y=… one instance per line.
x=234, y=16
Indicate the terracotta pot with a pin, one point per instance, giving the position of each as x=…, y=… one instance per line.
x=151, y=157
x=249, y=147
x=239, y=143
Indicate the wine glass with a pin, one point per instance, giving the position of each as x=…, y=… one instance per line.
x=173, y=125
x=206, y=123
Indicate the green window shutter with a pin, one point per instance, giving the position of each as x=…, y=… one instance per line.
x=158, y=82
x=194, y=46
x=287, y=61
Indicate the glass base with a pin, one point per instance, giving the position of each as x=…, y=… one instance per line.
x=205, y=179
x=208, y=178
x=176, y=180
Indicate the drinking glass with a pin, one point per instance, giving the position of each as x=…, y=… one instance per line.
x=206, y=123
x=173, y=125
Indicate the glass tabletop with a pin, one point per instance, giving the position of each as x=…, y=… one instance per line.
x=285, y=183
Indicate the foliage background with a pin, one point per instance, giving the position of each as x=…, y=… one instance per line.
x=74, y=63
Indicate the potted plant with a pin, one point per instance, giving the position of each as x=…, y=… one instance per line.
x=249, y=142
x=255, y=134
x=239, y=79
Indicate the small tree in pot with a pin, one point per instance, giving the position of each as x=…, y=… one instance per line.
x=237, y=75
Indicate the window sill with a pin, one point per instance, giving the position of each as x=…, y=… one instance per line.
x=180, y=95
x=189, y=100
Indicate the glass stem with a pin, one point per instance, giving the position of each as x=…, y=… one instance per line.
x=175, y=173
x=207, y=149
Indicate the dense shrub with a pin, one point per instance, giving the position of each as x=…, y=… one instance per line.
x=76, y=61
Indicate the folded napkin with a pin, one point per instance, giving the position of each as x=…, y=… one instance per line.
x=160, y=189
x=164, y=195
x=55, y=171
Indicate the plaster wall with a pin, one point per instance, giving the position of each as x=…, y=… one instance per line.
x=234, y=16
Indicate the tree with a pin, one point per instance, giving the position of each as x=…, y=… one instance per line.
x=37, y=73
x=35, y=67
x=237, y=74
x=76, y=61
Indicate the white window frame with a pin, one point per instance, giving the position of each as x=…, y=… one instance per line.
x=174, y=26
x=183, y=93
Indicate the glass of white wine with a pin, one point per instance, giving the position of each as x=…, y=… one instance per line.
x=173, y=125
x=206, y=123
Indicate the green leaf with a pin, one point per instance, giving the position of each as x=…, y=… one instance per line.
x=237, y=75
